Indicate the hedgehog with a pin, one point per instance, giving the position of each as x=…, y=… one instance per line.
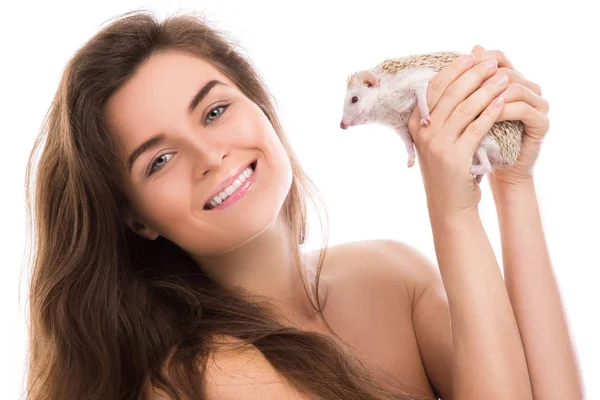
x=388, y=93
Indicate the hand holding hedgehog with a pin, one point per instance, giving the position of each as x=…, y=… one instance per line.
x=390, y=92
x=523, y=102
x=463, y=110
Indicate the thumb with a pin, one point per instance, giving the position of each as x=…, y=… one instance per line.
x=477, y=48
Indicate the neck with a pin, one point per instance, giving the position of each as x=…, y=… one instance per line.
x=265, y=266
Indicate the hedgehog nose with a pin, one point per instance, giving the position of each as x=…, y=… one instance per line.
x=342, y=125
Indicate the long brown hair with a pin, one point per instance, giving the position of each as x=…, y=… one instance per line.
x=111, y=311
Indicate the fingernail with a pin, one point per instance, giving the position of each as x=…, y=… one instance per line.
x=468, y=59
x=491, y=63
x=502, y=80
x=498, y=102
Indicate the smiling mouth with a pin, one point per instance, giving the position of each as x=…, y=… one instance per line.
x=235, y=190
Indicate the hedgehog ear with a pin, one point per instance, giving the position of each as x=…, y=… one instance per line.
x=368, y=78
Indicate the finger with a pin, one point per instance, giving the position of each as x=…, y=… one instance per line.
x=503, y=61
x=459, y=90
x=536, y=122
x=475, y=132
x=474, y=105
x=515, y=76
x=445, y=77
x=505, y=64
x=516, y=92
x=414, y=125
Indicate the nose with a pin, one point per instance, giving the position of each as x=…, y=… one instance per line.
x=208, y=157
x=343, y=125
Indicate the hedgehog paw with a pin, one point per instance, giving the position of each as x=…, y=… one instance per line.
x=425, y=120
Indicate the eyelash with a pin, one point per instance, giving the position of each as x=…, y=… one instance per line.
x=223, y=106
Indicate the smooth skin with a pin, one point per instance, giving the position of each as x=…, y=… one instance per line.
x=488, y=356
x=531, y=286
x=528, y=274
x=388, y=291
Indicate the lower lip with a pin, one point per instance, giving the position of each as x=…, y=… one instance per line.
x=239, y=192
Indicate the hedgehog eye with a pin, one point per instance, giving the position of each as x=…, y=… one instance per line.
x=354, y=99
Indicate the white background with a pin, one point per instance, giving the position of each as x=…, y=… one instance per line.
x=305, y=51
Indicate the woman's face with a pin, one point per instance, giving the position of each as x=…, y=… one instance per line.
x=190, y=135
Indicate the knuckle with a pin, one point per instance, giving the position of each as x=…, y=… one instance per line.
x=437, y=86
x=546, y=105
x=463, y=108
x=512, y=75
x=451, y=91
x=489, y=113
x=533, y=113
x=500, y=55
x=474, y=129
x=515, y=73
x=517, y=89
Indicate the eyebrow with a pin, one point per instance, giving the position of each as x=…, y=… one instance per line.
x=157, y=139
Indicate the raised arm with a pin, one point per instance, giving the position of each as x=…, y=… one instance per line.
x=534, y=294
x=488, y=359
x=528, y=274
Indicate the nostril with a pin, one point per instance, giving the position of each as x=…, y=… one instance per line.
x=342, y=125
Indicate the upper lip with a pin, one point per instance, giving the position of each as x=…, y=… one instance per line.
x=228, y=181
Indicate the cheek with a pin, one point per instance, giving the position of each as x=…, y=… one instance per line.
x=167, y=199
x=251, y=129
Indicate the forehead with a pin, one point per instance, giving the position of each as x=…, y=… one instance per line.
x=157, y=95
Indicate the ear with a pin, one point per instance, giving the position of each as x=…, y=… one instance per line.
x=140, y=227
x=368, y=78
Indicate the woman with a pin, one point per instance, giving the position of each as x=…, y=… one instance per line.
x=171, y=213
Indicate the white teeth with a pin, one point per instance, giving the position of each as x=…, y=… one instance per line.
x=218, y=199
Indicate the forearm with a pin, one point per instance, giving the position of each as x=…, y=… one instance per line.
x=488, y=356
x=534, y=294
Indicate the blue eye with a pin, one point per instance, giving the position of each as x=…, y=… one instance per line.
x=152, y=166
x=215, y=113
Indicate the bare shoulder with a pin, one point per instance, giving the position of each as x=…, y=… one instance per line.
x=392, y=291
x=381, y=263
x=237, y=371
